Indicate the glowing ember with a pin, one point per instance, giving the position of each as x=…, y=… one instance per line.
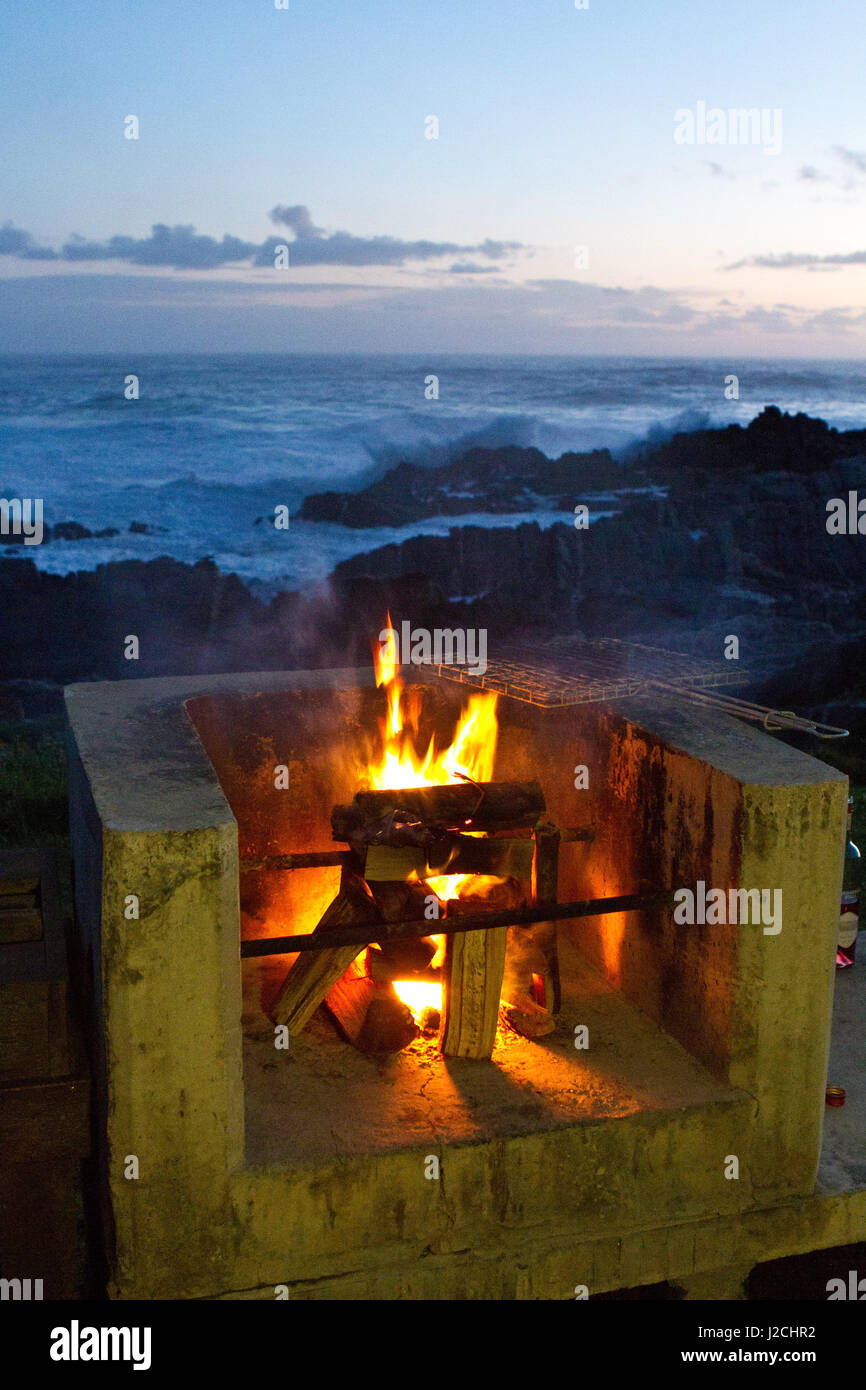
x=470, y=755
x=418, y=995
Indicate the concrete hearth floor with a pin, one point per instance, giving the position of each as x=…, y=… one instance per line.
x=843, y=1154
x=322, y=1099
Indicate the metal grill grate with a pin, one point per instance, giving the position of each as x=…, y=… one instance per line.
x=572, y=672
x=566, y=673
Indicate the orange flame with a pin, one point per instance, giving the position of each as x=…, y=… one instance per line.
x=470, y=755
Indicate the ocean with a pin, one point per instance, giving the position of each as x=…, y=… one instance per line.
x=215, y=442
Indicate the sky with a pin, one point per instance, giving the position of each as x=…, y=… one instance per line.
x=491, y=176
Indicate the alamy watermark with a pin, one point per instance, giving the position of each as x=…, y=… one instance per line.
x=21, y=1290
x=738, y=125
x=77, y=1343
x=855, y=1289
x=418, y=646
x=846, y=516
x=22, y=517
x=737, y=906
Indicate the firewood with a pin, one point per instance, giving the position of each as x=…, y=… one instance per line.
x=495, y=897
x=394, y=863
x=473, y=968
x=526, y=1017
x=396, y=960
x=455, y=806
x=388, y=1027
x=510, y=857
x=524, y=958
x=545, y=889
x=369, y=1015
x=400, y=902
x=314, y=972
x=452, y=854
x=410, y=964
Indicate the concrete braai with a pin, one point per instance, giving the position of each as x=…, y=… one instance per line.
x=681, y=1142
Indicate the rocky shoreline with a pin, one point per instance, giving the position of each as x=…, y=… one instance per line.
x=496, y=481
x=715, y=532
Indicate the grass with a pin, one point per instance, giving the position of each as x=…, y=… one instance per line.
x=34, y=806
x=33, y=788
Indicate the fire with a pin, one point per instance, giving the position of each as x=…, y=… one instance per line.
x=419, y=995
x=469, y=756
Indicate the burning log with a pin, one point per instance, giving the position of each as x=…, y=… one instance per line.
x=384, y=969
x=369, y=1015
x=450, y=854
x=526, y=1017
x=314, y=973
x=474, y=964
x=398, y=960
x=400, y=901
x=394, y=960
x=394, y=860
x=384, y=816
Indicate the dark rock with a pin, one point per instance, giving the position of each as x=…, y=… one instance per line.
x=739, y=544
x=497, y=481
x=772, y=442
x=16, y=540
x=71, y=531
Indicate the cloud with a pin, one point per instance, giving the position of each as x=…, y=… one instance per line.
x=767, y=320
x=837, y=320
x=178, y=247
x=181, y=248
x=717, y=170
x=468, y=268
x=342, y=248
x=583, y=304
x=101, y=311
x=15, y=242
x=854, y=158
x=298, y=218
x=790, y=260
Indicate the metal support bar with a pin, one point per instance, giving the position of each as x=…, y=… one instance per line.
x=367, y=935
x=324, y=859
x=337, y=858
